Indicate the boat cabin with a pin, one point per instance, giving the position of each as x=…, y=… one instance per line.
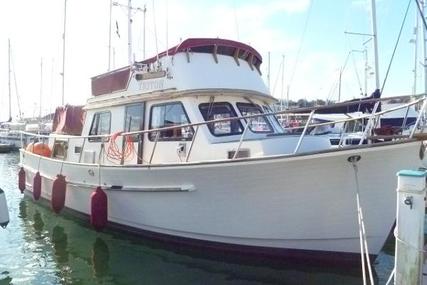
x=194, y=82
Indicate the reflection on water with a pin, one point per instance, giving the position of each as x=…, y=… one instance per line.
x=38, y=223
x=100, y=258
x=23, y=209
x=44, y=248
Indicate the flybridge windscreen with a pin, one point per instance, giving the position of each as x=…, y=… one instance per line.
x=110, y=82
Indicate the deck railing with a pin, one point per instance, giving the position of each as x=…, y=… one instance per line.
x=373, y=119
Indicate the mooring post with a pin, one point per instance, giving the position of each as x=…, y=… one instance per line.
x=409, y=230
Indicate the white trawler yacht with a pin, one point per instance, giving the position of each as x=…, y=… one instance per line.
x=238, y=182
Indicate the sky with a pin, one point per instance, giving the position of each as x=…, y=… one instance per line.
x=312, y=36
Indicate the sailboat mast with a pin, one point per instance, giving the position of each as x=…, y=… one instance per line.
x=375, y=38
x=130, y=32
x=416, y=29
x=9, y=74
x=41, y=88
x=63, y=53
x=423, y=7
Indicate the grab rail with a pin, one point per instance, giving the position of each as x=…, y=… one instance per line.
x=305, y=128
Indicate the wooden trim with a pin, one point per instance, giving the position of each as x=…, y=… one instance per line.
x=187, y=53
x=236, y=56
x=251, y=61
x=215, y=51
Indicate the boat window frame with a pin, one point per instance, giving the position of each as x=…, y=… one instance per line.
x=273, y=118
x=135, y=138
x=239, y=105
x=150, y=134
x=210, y=126
x=99, y=139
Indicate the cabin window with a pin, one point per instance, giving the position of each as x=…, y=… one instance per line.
x=101, y=124
x=256, y=124
x=134, y=119
x=273, y=118
x=168, y=115
x=221, y=110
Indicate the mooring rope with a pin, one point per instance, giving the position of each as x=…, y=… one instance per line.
x=364, y=252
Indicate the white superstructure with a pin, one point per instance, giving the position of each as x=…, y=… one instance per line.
x=242, y=183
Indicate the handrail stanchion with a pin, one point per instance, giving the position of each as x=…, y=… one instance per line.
x=81, y=150
x=304, y=131
x=423, y=108
x=370, y=123
x=344, y=130
x=241, y=140
x=154, y=147
x=405, y=119
x=191, y=144
x=22, y=140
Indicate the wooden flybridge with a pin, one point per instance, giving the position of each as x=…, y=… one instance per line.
x=153, y=67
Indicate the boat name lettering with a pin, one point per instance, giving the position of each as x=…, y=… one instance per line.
x=151, y=85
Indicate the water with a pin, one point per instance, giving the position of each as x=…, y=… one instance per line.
x=39, y=247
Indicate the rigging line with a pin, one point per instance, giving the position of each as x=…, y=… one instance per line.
x=421, y=13
x=354, y=63
x=395, y=47
x=277, y=78
x=357, y=74
x=16, y=88
x=301, y=42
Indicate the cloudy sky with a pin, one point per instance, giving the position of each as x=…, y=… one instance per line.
x=310, y=34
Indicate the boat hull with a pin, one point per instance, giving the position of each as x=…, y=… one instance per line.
x=286, y=204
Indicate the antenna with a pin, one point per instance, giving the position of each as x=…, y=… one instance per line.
x=268, y=72
x=51, y=108
x=131, y=57
x=109, y=37
x=143, y=33
x=167, y=29
x=283, y=81
x=10, y=90
x=236, y=22
x=63, y=54
x=155, y=32
x=41, y=87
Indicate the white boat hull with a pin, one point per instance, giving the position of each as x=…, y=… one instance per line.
x=303, y=202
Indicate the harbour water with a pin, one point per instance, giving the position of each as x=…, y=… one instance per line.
x=40, y=247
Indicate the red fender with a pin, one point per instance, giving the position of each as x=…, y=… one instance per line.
x=98, y=209
x=58, y=193
x=21, y=179
x=37, y=186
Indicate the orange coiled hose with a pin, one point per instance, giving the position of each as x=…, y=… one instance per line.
x=114, y=152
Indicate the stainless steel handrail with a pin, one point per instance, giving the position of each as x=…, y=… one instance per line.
x=370, y=126
x=290, y=112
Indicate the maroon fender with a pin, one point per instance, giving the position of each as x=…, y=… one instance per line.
x=58, y=193
x=98, y=209
x=21, y=179
x=37, y=186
